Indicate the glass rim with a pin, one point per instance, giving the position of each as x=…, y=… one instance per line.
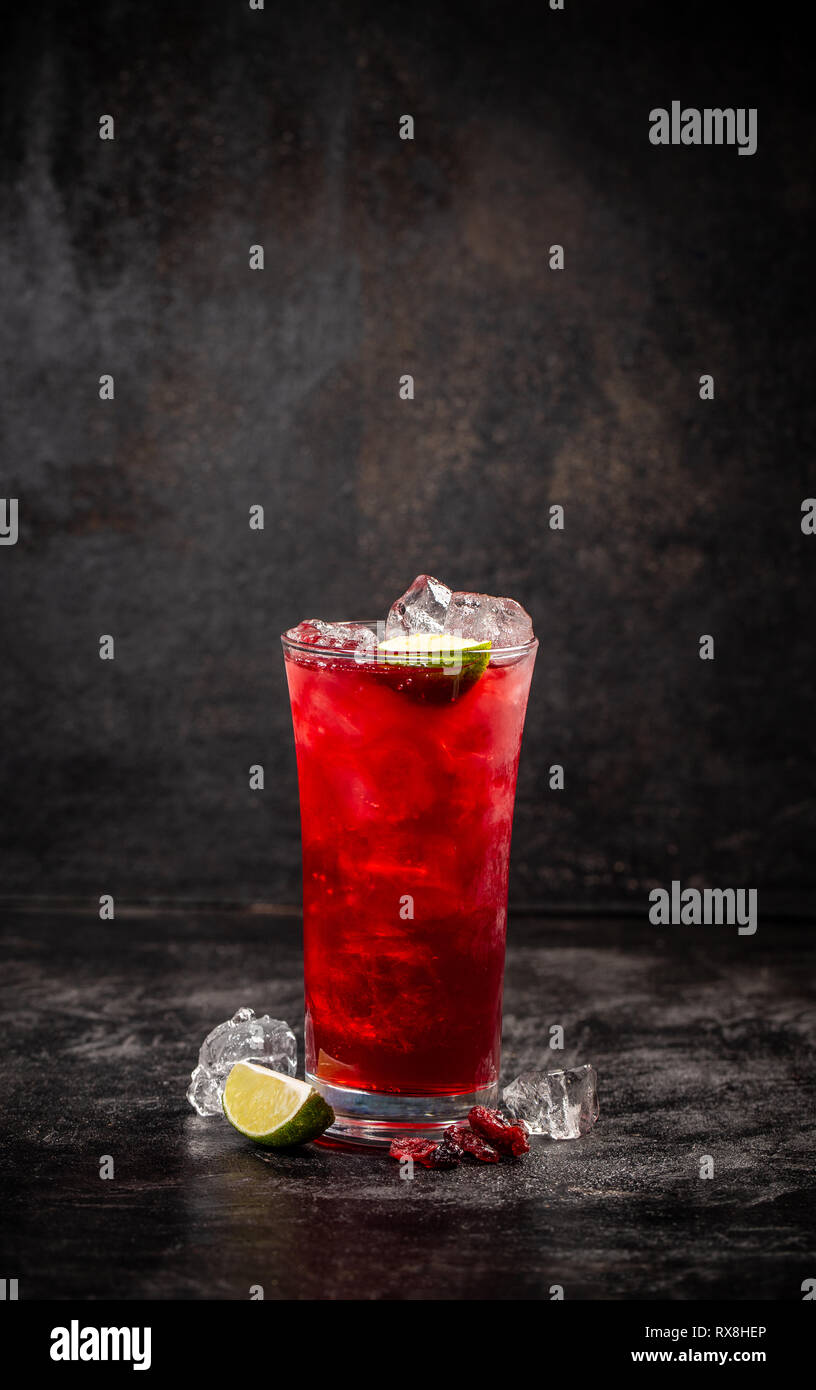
x=362, y=658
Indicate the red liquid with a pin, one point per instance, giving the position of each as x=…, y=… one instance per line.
x=404, y=797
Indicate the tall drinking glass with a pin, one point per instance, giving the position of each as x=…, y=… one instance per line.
x=407, y=783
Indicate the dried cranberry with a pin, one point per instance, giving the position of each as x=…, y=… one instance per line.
x=427, y=1152
x=505, y=1136
x=419, y=1150
x=448, y=1154
x=471, y=1143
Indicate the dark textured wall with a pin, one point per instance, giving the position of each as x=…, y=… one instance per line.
x=533, y=387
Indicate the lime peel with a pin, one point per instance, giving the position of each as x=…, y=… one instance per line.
x=272, y=1109
x=437, y=650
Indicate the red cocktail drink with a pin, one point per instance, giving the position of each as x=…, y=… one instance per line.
x=407, y=781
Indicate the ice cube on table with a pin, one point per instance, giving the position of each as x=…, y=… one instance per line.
x=203, y=1092
x=562, y=1104
x=422, y=608
x=483, y=618
x=349, y=637
x=241, y=1038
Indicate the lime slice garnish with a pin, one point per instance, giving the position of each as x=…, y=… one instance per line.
x=273, y=1109
x=437, y=650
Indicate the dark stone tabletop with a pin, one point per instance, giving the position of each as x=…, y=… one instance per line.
x=703, y=1042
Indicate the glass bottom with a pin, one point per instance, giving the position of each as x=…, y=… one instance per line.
x=374, y=1118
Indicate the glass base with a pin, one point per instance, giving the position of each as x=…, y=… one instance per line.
x=374, y=1118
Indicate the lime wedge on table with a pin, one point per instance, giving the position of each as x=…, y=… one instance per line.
x=437, y=650
x=273, y=1109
